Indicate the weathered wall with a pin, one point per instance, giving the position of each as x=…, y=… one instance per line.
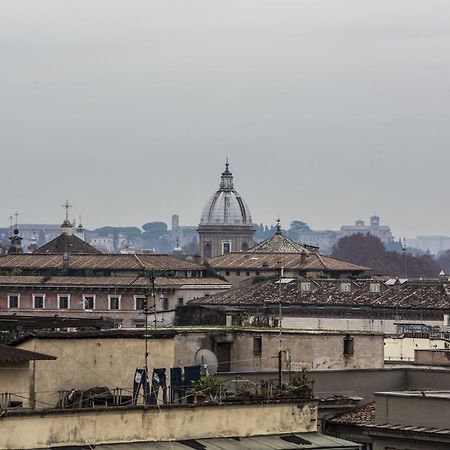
x=402, y=348
x=172, y=423
x=432, y=357
x=15, y=378
x=312, y=350
x=408, y=410
x=336, y=323
x=426, y=379
x=85, y=363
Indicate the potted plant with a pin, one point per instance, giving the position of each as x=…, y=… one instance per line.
x=208, y=388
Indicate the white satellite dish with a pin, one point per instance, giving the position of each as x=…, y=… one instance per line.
x=207, y=358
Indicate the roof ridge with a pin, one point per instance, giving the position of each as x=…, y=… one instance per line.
x=139, y=261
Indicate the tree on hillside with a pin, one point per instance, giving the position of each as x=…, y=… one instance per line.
x=444, y=261
x=368, y=250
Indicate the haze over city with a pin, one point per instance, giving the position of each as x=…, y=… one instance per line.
x=329, y=111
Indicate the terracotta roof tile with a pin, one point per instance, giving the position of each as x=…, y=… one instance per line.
x=290, y=261
x=120, y=281
x=97, y=262
x=410, y=295
x=364, y=415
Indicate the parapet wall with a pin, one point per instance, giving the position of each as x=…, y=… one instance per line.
x=41, y=429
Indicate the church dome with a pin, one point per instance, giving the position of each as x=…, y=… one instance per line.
x=226, y=206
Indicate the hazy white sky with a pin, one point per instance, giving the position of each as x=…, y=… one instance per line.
x=329, y=110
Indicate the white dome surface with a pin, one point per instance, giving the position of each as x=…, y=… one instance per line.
x=226, y=206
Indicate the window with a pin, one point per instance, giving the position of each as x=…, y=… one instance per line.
x=227, y=273
x=244, y=246
x=63, y=301
x=247, y=274
x=226, y=247
x=348, y=345
x=88, y=302
x=305, y=286
x=207, y=252
x=238, y=273
x=139, y=303
x=374, y=287
x=346, y=286
x=165, y=304
x=180, y=301
x=139, y=323
x=257, y=272
x=38, y=301
x=257, y=345
x=13, y=300
x=114, y=302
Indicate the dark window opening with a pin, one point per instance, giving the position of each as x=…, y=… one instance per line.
x=63, y=302
x=227, y=273
x=257, y=345
x=38, y=302
x=13, y=301
x=244, y=246
x=207, y=249
x=140, y=303
x=180, y=301
x=114, y=303
x=247, y=274
x=88, y=302
x=238, y=273
x=165, y=304
x=348, y=346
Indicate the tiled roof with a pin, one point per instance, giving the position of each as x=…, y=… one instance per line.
x=97, y=262
x=278, y=244
x=291, y=261
x=13, y=354
x=410, y=295
x=67, y=243
x=132, y=281
x=364, y=415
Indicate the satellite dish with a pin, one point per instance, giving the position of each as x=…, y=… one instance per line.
x=207, y=358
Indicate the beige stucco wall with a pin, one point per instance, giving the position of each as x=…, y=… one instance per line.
x=402, y=349
x=336, y=323
x=85, y=363
x=173, y=423
x=314, y=351
x=15, y=379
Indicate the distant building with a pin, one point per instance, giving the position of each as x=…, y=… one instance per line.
x=226, y=223
x=383, y=232
x=181, y=235
x=266, y=259
x=432, y=244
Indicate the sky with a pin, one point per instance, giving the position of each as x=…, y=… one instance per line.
x=329, y=110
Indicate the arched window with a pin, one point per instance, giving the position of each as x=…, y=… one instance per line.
x=207, y=249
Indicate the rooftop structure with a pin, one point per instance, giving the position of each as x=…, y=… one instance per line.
x=339, y=304
x=225, y=222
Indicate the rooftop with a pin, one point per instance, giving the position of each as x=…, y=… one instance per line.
x=255, y=260
x=66, y=243
x=97, y=262
x=170, y=332
x=327, y=292
x=271, y=442
x=364, y=415
x=112, y=281
x=13, y=354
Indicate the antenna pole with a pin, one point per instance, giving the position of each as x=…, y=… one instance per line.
x=280, y=336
